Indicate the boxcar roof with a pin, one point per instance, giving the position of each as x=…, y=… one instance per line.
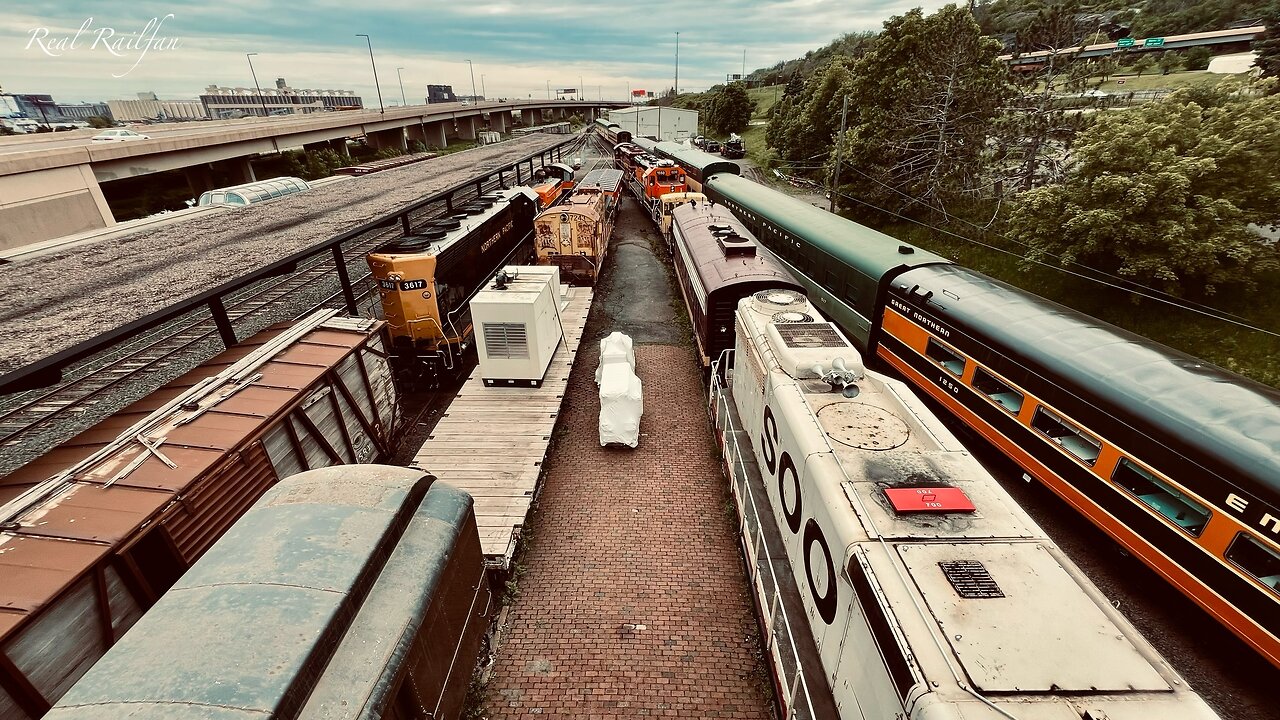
x=715, y=269
x=1198, y=404
x=53, y=542
x=607, y=180
x=251, y=627
x=871, y=252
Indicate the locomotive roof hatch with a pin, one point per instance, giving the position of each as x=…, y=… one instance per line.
x=999, y=619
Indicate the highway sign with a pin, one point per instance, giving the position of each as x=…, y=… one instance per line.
x=1124, y=42
x=1153, y=42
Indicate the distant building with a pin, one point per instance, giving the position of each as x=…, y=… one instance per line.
x=37, y=107
x=144, y=109
x=643, y=121
x=84, y=111
x=225, y=102
x=440, y=94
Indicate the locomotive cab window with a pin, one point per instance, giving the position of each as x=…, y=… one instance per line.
x=1003, y=395
x=1161, y=497
x=945, y=356
x=1256, y=559
x=1066, y=435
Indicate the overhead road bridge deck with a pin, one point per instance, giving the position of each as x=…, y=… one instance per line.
x=1215, y=39
x=50, y=188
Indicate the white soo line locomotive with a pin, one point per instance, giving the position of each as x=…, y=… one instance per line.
x=929, y=593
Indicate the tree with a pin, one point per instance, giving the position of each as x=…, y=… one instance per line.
x=1268, y=46
x=728, y=110
x=1036, y=131
x=1166, y=196
x=1169, y=61
x=1144, y=63
x=99, y=122
x=803, y=125
x=1198, y=58
x=921, y=107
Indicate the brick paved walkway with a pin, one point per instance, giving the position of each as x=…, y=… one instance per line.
x=632, y=601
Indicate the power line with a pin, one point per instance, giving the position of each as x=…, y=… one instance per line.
x=1156, y=298
x=1127, y=282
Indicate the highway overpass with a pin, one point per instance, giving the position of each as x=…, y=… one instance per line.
x=50, y=184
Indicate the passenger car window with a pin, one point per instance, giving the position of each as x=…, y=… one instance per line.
x=1068, y=436
x=1161, y=496
x=1256, y=559
x=945, y=357
x=987, y=384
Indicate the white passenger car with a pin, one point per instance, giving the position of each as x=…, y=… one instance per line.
x=119, y=135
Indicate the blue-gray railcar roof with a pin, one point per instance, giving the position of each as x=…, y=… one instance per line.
x=248, y=629
x=1198, y=404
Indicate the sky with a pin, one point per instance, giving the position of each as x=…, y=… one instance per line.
x=94, y=51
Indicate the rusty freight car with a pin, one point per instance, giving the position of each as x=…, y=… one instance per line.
x=96, y=530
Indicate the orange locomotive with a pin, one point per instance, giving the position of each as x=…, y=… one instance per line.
x=649, y=176
x=575, y=234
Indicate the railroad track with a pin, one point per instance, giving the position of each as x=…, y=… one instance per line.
x=77, y=402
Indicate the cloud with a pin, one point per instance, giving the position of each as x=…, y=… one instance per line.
x=518, y=47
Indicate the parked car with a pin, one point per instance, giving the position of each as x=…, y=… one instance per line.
x=577, y=163
x=119, y=135
x=712, y=146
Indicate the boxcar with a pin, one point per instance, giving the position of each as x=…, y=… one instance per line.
x=93, y=533
x=351, y=592
x=718, y=263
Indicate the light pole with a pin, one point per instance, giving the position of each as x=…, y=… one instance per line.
x=381, y=108
x=677, y=62
x=249, y=57
x=473, y=81
x=403, y=99
x=581, y=90
x=548, y=89
x=483, y=94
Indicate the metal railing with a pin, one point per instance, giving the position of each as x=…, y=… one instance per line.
x=784, y=657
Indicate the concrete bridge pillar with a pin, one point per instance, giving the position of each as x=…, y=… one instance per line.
x=529, y=118
x=383, y=139
x=199, y=179
x=238, y=171
x=466, y=127
x=338, y=145
x=437, y=135
x=500, y=122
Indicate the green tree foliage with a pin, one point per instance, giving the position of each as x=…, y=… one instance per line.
x=99, y=122
x=1198, y=58
x=1268, y=46
x=803, y=125
x=1034, y=134
x=1165, y=196
x=6, y=130
x=1144, y=63
x=728, y=110
x=1169, y=62
x=922, y=105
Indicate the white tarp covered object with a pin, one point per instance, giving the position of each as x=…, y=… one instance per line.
x=621, y=393
x=614, y=348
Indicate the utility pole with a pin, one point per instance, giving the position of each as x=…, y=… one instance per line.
x=381, y=108
x=677, y=64
x=249, y=57
x=835, y=182
x=403, y=100
x=471, y=68
x=744, y=65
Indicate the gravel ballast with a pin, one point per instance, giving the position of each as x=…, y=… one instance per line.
x=56, y=300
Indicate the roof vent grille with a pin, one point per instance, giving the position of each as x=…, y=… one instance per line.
x=971, y=579
x=810, y=335
x=785, y=318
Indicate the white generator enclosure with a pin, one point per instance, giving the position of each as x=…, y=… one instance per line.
x=518, y=329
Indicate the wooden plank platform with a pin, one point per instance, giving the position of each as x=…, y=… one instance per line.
x=491, y=441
